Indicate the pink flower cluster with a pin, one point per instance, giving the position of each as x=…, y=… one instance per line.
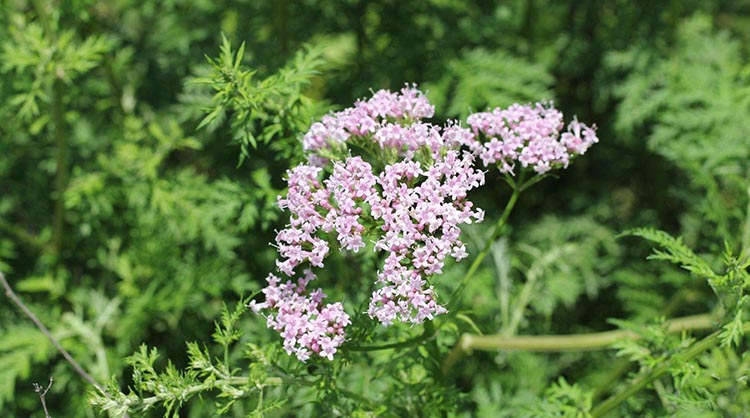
x=411, y=209
x=305, y=324
x=385, y=118
x=420, y=229
x=529, y=135
x=418, y=210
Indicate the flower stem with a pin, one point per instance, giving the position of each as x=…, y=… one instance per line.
x=424, y=336
x=482, y=254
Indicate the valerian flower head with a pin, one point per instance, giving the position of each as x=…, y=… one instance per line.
x=529, y=135
x=420, y=229
x=378, y=174
x=306, y=325
x=386, y=116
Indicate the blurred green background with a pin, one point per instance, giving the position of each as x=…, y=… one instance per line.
x=121, y=223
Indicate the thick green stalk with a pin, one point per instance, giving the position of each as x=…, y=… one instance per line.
x=556, y=343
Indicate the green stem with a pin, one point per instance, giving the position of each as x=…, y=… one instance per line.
x=578, y=342
x=57, y=125
x=226, y=356
x=535, y=271
x=520, y=306
x=61, y=158
x=745, y=251
x=43, y=13
x=482, y=254
x=211, y=385
x=640, y=383
x=504, y=286
x=556, y=343
x=622, y=365
x=22, y=235
x=615, y=372
x=424, y=336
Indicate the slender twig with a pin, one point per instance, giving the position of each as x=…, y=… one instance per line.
x=77, y=367
x=42, y=393
x=555, y=343
x=524, y=296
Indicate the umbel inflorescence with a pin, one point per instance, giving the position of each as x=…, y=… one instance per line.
x=378, y=173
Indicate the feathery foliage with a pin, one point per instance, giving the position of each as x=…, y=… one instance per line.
x=128, y=227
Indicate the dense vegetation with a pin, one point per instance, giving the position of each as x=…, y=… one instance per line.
x=143, y=145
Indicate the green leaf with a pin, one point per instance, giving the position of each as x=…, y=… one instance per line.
x=674, y=251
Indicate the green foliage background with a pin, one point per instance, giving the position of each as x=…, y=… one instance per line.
x=138, y=183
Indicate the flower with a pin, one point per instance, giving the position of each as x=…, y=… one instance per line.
x=421, y=210
x=306, y=325
x=410, y=208
x=529, y=135
x=386, y=115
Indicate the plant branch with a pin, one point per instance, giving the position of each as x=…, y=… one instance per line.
x=191, y=390
x=42, y=393
x=554, y=343
x=524, y=297
x=231, y=381
x=57, y=123
x=643, y=381
x=61, y=159
x=77, y=367
x=424, y=336
x=622, y=365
